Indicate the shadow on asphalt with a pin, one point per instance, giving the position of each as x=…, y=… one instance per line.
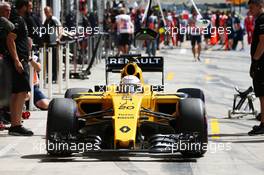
x=236, y=138
x=44, y=158
x=228, y=135
x=7, y=135
x=240, y=141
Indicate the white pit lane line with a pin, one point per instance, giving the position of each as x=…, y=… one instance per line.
x=183, y=51
x=19, y=139
x=11, y=146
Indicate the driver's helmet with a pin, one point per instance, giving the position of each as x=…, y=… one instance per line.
x=130, y=84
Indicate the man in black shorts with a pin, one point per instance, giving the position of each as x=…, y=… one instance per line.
x=230, y=27
x=196, y=38
x=125, y=29
x=17, y=44
x=256, y=8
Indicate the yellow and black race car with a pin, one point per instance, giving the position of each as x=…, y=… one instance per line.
x=131, y=116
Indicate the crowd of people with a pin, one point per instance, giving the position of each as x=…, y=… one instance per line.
x=226, y=28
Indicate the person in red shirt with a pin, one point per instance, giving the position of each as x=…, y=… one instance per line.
x=249, y=26
x=222, y=23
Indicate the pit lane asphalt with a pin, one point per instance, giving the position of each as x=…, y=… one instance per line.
x=231, y=151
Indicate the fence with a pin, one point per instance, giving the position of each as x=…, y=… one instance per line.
x=79, y=51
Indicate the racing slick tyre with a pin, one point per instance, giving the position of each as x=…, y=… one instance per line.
x=193, y=93
x=62, y=126
x=192, y=120
x=72, y=91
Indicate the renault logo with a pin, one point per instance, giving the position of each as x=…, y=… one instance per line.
x=125, y=129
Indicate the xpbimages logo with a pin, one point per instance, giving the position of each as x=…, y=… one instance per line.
x=213, y=31
x=81, y=31
x=210, y=147
x=65, y=146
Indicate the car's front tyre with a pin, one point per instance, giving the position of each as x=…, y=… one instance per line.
x=62, y=125
x=192, y=119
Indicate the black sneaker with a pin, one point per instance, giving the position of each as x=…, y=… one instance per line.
x=255, y=127
x=5, y=118
x=19, y=131
x=258, y=117
x=257, y=130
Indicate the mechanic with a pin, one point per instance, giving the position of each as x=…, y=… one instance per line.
x=52, y=35
x=230, y=26
x=256, y=8
x=207, y=36
x=152, y=44
x=196, y=37
x=33, y=23
x=17, y=44
x=5, y=71
x=239, y=34
x=249, y=26
x=125, y=29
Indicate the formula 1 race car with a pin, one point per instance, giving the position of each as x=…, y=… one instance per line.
x=131, y=116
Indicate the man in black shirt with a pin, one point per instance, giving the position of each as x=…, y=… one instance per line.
x=52, y=37
x=18, y=47
x=5, y=75
x=33, y=23
x=256, y=8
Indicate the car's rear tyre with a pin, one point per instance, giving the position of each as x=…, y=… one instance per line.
x=72, y=91
x=193, y=93
x=192, y=119
x=62, y=125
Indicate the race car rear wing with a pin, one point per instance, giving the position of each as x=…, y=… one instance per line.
x=147, y=64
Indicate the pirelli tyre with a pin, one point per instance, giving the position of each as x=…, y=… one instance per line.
x=73, y=91
x=62, y=126
x=192, y=120
x=193, y=93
